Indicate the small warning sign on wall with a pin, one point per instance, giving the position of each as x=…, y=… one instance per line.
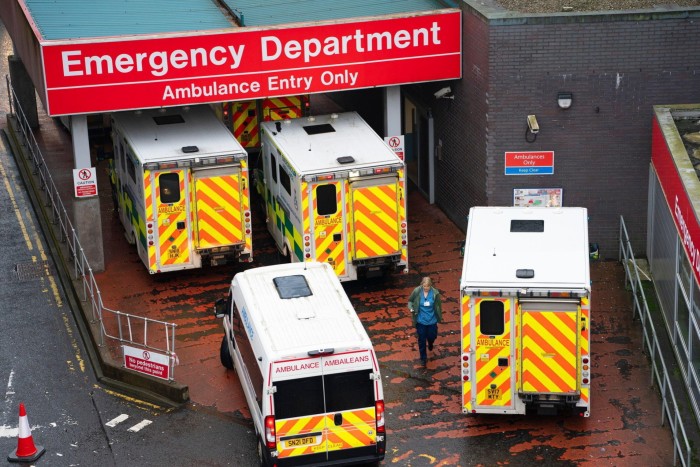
x=85, y=182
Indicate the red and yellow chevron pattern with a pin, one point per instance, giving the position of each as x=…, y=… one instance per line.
x=218, y=211
x=282, y=108
x=376, y=220
x=245, y=123
x=493, y=382
x=173, y=239
x=329, y=239
x=549, y=352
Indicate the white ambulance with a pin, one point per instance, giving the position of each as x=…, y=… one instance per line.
x=180, y=183
x=306, y=365
x=334, y=192
x=526, y=311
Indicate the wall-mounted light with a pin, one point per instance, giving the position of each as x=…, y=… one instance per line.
x=564, y=99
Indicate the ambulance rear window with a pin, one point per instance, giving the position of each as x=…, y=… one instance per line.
x=292, y=286
x=348, y=391
x=299, y=397
x=493, y=317
x=528, y=225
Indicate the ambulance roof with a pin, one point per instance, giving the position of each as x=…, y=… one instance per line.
x=321, y=318
x=314, y=145
x=161, y=134
x=551, y=242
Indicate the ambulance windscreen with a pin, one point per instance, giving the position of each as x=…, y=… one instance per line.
x=292, y=286
x=526, y=225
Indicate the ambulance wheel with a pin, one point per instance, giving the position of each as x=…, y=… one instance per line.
x=261, y=457
x=225, y=355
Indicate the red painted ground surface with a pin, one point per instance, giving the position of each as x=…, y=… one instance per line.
x=425, y=423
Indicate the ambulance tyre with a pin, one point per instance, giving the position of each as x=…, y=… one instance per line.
x=225, y=355
x=261, y=457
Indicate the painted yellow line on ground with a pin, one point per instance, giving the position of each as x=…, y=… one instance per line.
x=22, y=227
x=133, y=399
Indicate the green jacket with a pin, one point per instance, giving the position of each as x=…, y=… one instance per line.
x=414, y=303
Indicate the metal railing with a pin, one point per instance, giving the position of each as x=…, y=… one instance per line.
x=116, y=326
x=660, y=375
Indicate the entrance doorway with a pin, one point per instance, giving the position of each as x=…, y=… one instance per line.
x=418, y=133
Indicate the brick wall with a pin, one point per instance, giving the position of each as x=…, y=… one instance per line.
x=616, y=65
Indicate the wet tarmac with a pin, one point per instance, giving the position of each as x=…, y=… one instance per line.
x=425, y=422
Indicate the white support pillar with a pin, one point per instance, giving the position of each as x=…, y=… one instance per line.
x=81, y=142
x=87, y=215
x=392, y=111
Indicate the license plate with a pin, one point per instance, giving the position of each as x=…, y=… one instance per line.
x=493, y=394
x=298, y=442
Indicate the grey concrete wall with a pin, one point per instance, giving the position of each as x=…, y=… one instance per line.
x=616, y=65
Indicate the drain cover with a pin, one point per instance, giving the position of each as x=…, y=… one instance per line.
x=31, y=270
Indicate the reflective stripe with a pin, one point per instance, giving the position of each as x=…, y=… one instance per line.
x=376, y=224
x=488, y=371
x=219, y=217
x=549, y=353
x=245, y=123
x=282, y=108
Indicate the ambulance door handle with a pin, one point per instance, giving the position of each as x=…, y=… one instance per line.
x=181, y=225
x=338, y=419
x=337, y=237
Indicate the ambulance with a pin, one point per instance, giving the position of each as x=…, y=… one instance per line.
x=243, y=117
x=306, y=365
x=526, y=311
x=180, y=179
x=333, y=191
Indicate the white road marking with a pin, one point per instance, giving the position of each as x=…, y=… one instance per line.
x=116, y=421
x=139, y=425
x=9, y=390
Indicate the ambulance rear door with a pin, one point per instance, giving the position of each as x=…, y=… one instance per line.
x=494, y=370
x=330, y=236
x=327, y=417
x=244, y=123
x=549, y=346
x=218, y=199
x=169, y=205
x=374, y=204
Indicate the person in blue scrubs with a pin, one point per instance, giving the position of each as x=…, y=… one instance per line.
x=425, y=305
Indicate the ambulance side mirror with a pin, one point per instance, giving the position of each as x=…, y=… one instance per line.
x=220, y=308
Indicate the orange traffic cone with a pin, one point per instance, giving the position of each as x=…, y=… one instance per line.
x=26, y=450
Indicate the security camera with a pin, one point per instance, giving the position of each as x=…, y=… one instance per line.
x=443, y=93
x=532, y=124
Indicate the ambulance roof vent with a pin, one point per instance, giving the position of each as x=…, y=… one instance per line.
x=524, y=273
x=190, y=149
x=526, y=225
x=292, y=286
x=345, y=160
x=168, y=119
x=319, y=129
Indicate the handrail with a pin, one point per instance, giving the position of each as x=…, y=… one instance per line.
x=660, y=374
x=118, y=327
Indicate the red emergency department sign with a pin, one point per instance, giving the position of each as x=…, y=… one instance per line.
x=679, y=204
x=92, y=76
